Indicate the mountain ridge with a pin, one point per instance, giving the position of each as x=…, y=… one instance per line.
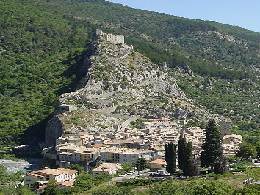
x=195, y=19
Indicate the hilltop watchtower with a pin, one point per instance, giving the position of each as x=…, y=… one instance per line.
x=115, y=39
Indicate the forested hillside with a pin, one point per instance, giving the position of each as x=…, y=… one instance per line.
x=42, y=43
x=37, y=47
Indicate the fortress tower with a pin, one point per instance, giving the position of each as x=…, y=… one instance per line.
x=115, y=39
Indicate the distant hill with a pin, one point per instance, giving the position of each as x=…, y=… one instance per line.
x=43, y=43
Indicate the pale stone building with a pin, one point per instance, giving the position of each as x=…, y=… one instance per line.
x=196, y=135
x=231, y=144
x=41, y=177
x=76, y=154
x=157, y=164
x=108, y=168
x=125, y=155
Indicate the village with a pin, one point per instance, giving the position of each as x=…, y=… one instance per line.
x=108, y=152
x=127, y=145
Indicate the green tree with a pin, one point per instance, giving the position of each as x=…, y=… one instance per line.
x=127, y=167
x=190, y=169
x=212, y=150
x=77, y=167
x=192, y=187
x=249, y=190
x=246, y=151
x=139, y=124
x=25, y=191
x=170, y=157
x=141, y=164
x=209, y=188
x=52, y=188
x=86, y=181
x=220, y=165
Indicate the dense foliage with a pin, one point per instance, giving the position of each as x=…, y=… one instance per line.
x=36, y=49
x=217, y=185
x=10, y=183
x=86, y=183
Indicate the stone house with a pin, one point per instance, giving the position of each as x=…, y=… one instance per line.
x=107, y=168
x=40, y=178
x=157, y=164
x=125, y=155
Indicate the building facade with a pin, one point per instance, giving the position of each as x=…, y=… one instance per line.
x=41, y=177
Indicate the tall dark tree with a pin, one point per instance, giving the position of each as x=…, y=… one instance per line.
x=212, y=150
x=182, y=144
x=220, y=165
x=174, y=157
x=190, y=169
x=170, y=157
x=185, y=158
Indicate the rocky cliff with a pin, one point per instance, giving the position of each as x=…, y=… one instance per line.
x=123, y=86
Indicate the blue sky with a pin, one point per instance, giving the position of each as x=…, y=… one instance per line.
x=244, y=13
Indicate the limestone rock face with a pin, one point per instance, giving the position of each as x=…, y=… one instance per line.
x=54, y=130
x=122, y=85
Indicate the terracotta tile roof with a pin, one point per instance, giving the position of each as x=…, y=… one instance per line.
x=158, y=161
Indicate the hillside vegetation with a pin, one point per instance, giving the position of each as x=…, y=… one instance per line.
x=42, y=44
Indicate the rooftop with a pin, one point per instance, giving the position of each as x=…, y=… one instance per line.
x=124, y=150
x=54, y=172
x=108, y=166
x=158, y=161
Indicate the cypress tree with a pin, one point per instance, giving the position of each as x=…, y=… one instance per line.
x=181, y=152
x=190, y=168
x=174, y=156
x=185, y=158
x=212, y=147
x=220, y=165
x=166, y=153
x=170, y=157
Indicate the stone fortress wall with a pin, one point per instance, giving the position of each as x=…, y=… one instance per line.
x=115, y=39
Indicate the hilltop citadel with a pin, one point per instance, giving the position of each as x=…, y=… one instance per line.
x=111, y=133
